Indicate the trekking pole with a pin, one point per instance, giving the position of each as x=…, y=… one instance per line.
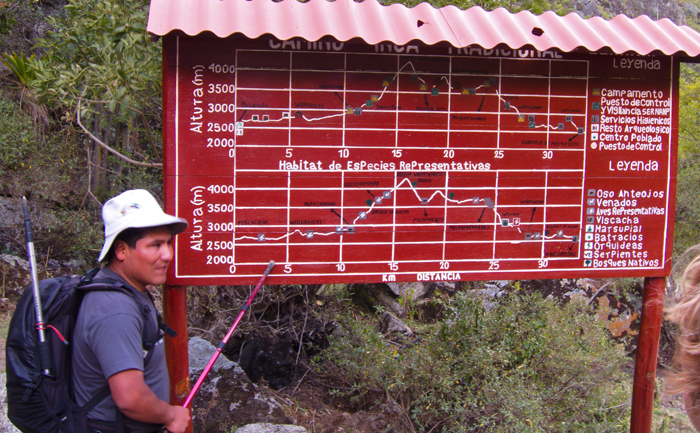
x=44, y=348
x=219, y=348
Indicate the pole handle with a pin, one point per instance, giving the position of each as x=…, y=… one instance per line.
x=269, y=268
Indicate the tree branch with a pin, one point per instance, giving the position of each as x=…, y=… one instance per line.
x=112, y=151
x=148, y=130
x=596, y=293
x=689, y=136
x=89, y=183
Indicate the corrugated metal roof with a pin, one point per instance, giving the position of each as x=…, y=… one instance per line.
x=375, y=23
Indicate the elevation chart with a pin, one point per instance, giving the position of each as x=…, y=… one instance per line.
x=364, y=163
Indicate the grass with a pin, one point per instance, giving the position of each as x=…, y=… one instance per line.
x=4, y=327
x=4, y=323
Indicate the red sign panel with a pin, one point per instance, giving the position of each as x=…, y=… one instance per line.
x=360, y=163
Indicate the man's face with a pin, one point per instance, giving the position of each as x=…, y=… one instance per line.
x=148, y=262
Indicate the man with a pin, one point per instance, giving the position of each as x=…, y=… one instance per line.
x=108, y=338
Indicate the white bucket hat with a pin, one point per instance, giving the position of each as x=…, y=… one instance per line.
x=135, y=209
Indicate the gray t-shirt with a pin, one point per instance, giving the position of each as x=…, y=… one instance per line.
x=107, y=340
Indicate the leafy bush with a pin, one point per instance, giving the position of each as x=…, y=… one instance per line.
x=687, y=205
x=100, y=73
x=16, y=136
x=687, y=189
x=524, y=364
x=537, y=7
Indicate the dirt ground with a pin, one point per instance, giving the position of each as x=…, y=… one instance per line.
x=669, y=414
x=310, y=408
x=309, y=405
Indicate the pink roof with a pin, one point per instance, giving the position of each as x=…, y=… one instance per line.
x=375, y=23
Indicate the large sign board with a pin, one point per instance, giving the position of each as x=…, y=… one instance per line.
x=349, y=162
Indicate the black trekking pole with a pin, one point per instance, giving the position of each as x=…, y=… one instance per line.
x=221, y=345
x=44, y=348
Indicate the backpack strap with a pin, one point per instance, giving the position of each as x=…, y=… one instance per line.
x=151, y=335
x=161, y=324
x=89, y=275
x=165, y=328
x=96, y=399
x=88, y=279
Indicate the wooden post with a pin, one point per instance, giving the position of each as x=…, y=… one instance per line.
x=647, y=353
x=176, y=353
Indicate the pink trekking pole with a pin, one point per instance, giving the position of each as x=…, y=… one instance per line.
x=213, y=359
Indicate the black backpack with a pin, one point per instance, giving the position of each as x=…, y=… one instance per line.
x=36, y=402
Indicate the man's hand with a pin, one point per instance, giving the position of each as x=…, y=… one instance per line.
x=136, y=400
x=181, y=419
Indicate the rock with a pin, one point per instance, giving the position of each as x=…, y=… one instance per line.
x=377, y=295
x=16, y=275
x=5, y=424
x=574, y=293
x=450, y=286
x=496, y=284
x=365, y=422
x=587, y=8
x=395, y=288
x=227, y=397
x=74, y=266
x=429, y=310
x=388, y=324
x=12, y=215
x=490, y=294
x=554, y=288
x=11, y=212
x=272, y=360
x=413, y=291
x=401, y=298
x=201, y=351
x=15, y=263
x=271, y=428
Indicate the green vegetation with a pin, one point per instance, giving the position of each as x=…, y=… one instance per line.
x=535, y=6
x=4, y=328
x=688, y=190
x=523, y=364
x=99, y=74
x=17, y=137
